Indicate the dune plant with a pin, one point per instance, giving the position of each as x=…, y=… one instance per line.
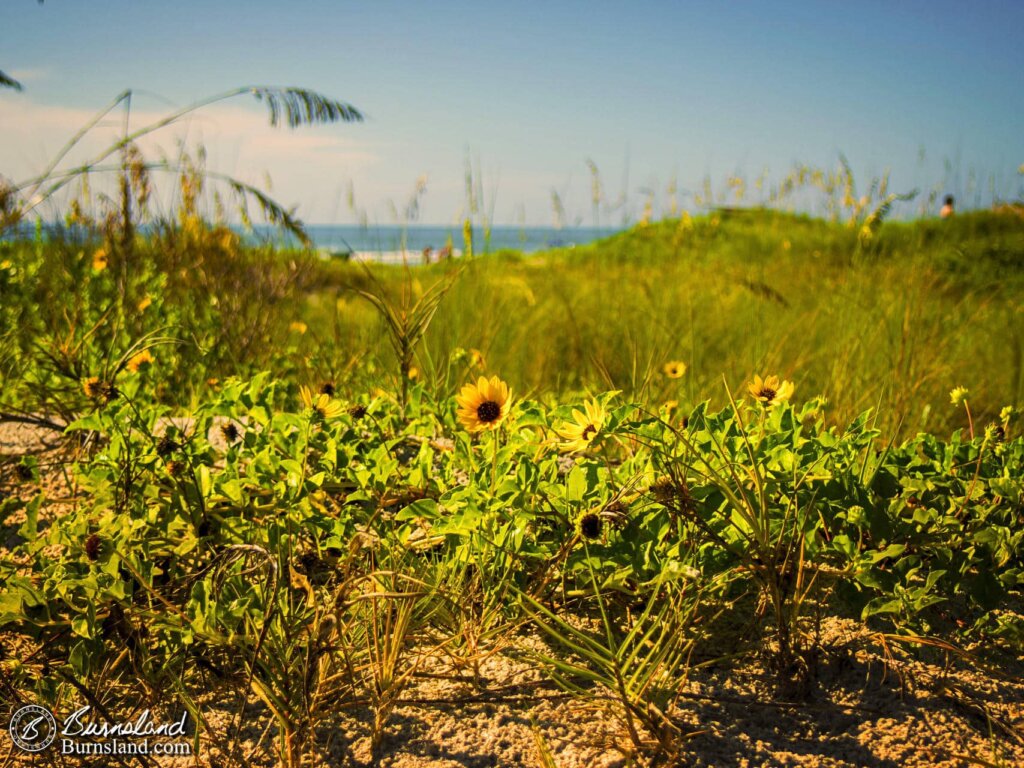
x=748, y=481
x=472, y=618
x=385, y=614
x=636, y=662
x=407, y=320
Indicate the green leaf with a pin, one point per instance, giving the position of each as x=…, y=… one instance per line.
x=881, y=605
x=80, y=626
x=426, y=508
x=893, y=550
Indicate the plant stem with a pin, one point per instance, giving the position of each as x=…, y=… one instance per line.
x=494, y=460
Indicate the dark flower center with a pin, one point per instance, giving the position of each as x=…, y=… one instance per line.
x=767, y=393
x=327, y=388
x=488, y=411
x=92, y=547
x=589, y=432
x=590, y=525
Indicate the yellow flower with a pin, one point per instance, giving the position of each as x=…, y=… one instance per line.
x=483, y=405
x=298, y=327
x=958, y=395
x=476, y=359
x=140, y=362
x=578, y=434
x=770, y=391
x=321, y=406
x=141, y=306
x=414, y=373
x=674, y=369
x=99, y=260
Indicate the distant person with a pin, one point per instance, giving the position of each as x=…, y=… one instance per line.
x=947, y=207
x=427, y=253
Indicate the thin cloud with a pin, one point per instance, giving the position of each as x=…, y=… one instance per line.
x=304, y=163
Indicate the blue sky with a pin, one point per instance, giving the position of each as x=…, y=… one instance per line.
x=529, y=91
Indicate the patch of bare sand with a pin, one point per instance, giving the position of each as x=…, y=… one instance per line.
x=869, y=708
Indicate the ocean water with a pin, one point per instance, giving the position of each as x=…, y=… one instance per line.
x=383, y=243
x=388, y=243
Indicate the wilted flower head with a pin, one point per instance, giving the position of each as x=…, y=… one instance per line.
x=229, y=431
x=92, y=547
x=995, y=433
x=167, y=445
x=672, y=493
x=958, y=395
x=589, y=525
x=97, y=389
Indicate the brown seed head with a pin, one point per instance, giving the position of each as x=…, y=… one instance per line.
x=590, y=526
x=92, y=547
x=167, y=445
x=229, y=431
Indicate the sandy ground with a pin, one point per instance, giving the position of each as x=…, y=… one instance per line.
x=870, y=704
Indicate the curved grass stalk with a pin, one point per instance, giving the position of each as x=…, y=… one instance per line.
x=298, y=106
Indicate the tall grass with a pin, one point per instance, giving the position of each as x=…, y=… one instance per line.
x=928, y=306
